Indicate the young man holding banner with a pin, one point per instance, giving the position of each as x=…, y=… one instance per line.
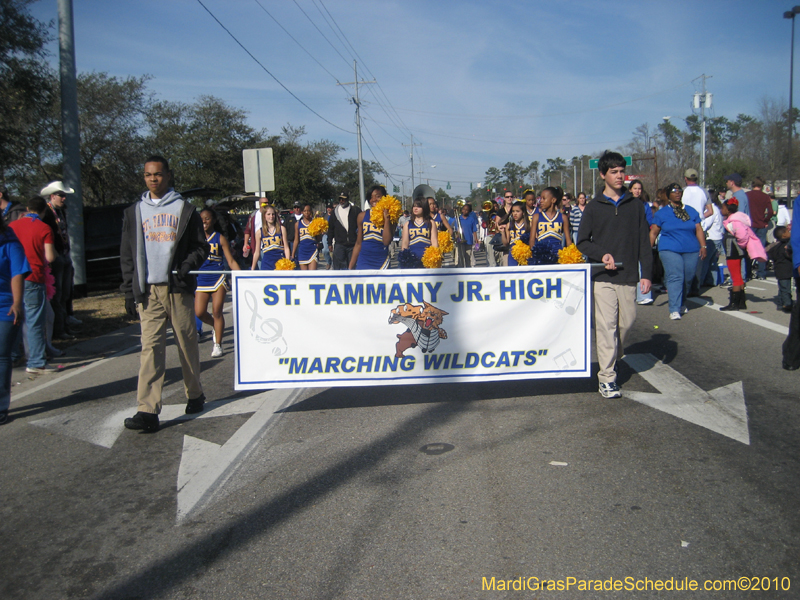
x=614, y=230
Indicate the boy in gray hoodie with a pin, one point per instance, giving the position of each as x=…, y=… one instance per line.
x=162, y=233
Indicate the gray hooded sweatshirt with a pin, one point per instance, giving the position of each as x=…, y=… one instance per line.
x=160, y=228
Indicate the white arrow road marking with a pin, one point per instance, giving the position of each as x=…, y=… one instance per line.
x=102, y=425
x=99, y=425
x=209, y=466
x=722, y=410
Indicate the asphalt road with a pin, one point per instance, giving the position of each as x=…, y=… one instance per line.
x=411, y=491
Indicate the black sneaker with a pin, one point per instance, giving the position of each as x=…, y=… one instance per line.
x=145, y=422
x=195, y=405
x=3, y=417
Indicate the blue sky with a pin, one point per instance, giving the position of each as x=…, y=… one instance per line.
x=477, y=84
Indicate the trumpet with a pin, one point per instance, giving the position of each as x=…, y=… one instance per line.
x=487, y=206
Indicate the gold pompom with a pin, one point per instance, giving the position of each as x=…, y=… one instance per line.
x=445, y=242
x=284, y=264
x=389, y=203
x=432, y=258
x=318, y=226
x=570, y=255
x=521, y=252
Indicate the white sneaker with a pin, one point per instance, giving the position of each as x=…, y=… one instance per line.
x=684, y=310
x=645, y=302
x=609, y=390
x=44, y=369
x=217, y=351
x=675, y=316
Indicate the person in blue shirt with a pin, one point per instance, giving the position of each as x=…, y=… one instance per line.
x=791, y=346
x=467, y=225
x=681, y=245
x=14, y=268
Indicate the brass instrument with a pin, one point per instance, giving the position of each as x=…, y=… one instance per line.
x=487, y=206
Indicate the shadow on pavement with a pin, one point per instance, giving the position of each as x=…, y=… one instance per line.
x=168, y=572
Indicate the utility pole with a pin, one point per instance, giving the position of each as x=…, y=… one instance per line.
x=702, y=101
x=356, y=101
x=574, y=179
x=71, y=143
x=411, y=145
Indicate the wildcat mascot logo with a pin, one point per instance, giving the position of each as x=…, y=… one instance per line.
x=423, y=323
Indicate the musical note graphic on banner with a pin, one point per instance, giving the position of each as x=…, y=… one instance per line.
x=566, y=357
x=572, y=299
x=271, y=328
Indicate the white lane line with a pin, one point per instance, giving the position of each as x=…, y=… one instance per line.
x=68, y=374
x=743, y=316
x=752, y=287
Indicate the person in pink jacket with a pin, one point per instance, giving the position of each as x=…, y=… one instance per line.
x=739, y=237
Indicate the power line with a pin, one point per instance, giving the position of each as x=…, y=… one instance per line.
x=384, y=131
x=361, y=60
x=267, y=70
x=378, y=146
x=286, y=31
x=335, y=49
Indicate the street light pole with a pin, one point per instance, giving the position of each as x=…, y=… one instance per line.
x=789, y=14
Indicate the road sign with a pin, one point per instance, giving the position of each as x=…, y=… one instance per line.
x=259, y=172
x=593, y=162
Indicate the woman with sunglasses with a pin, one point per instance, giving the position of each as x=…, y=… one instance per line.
x=681, y=245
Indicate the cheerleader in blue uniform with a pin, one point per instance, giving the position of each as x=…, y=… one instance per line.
x=305, y=245
x=371, y=249
x=513, y=228
x=419, y=231
x=210, y=286
x=271, y=244
x=549, y=226
x=436, y=217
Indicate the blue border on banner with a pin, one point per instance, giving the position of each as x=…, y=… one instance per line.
x=414, y=379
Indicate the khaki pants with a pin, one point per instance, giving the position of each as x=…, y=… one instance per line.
x=159, y=308
x=614, y=314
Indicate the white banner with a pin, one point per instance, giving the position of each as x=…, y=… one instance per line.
x=348, y=328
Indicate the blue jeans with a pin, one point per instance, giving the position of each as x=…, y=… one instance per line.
x=714, y=249
x=785, y=291
x=36, y=319
x=679, y=268
x=639, y=295
x=8, y=335
x=761, y=269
